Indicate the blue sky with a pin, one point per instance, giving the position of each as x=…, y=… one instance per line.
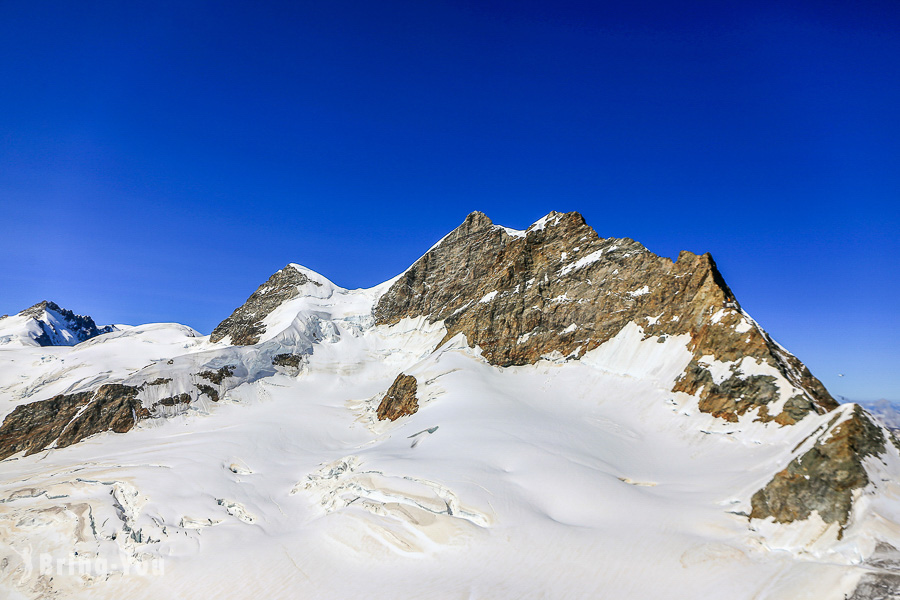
x=158, y=162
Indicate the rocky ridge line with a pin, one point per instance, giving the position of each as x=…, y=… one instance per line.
x=67, y=419
x=82, y=327
x=559, y=289
x=245, y=325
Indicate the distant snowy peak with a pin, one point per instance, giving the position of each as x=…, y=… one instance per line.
x=887, y=412
x=47, y=324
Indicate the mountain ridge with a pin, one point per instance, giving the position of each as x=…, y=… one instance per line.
x=491, y=304
x=47, y=324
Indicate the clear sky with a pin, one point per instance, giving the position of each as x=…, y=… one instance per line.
x=160, y=160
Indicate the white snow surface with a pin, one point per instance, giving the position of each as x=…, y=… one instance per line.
x=581, y=262
x=565, y=479
x=639, y=292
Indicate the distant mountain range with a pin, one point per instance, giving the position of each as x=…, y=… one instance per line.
x=886, y=411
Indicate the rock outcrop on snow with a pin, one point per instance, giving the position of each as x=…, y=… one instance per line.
x=69, y=418
x=823, y=478
x=400, y=399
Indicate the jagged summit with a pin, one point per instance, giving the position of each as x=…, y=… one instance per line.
x=558, y=289
x=245, y=325
x=47, y=324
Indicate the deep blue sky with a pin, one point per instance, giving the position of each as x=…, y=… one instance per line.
x=160, y=160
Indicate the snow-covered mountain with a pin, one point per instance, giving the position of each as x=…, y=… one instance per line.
x=886, y=411
x=524, y=414
x=46, y=324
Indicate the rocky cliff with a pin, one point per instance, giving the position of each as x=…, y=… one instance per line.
x=400, y=399
x=67, y=419
x=558, y=289
x=245, y=325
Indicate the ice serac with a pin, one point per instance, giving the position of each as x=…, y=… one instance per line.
x=245, y=325
x=558, y=289
x=47, y=324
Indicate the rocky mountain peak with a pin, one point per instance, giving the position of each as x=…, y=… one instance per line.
x=558, y=289
x=48, y=324
x=476, y=220
x=246, y=324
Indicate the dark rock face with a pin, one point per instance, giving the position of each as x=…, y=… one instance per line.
x=288, y=363
x=183, y=398
x=33, y=427
x=113, y=408
x=211, y=392
x=561, y=288
x=823, y=478
x=82, y=327
x=287, y=360
x=217, y=376
x=68, y=419
x=245, y=324
x=400, y=399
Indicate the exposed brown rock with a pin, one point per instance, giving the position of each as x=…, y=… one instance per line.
x=287, y=360
x=738, y=394
x=517, y=298
x=113, y=408
x=32, y=427
x=184, y=398
x=823, y=478
x=68, y=419
x=400, y=399
x=218, y=375
x=245, y=324
x=209, y=390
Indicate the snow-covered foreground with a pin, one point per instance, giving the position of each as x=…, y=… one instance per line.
x=565, y=479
